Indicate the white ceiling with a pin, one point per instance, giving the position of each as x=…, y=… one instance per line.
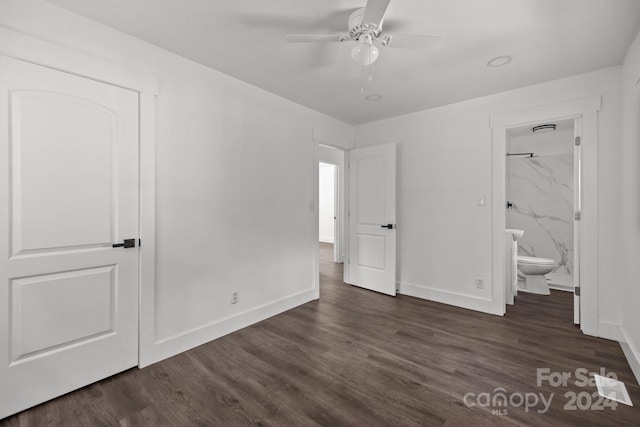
x=548, y=39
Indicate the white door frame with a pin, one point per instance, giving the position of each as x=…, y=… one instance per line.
x=31, y=49
x=587, y=110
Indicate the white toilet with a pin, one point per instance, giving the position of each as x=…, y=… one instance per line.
x=532, y=270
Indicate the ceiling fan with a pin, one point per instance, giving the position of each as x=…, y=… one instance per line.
x=365, y=29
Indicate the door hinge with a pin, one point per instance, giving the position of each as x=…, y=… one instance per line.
x=139, y=242
x=578, y=141
x=576, y=291
x=577, y=216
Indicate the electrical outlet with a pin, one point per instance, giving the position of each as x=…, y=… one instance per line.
x=480, y=283
x=234, y=297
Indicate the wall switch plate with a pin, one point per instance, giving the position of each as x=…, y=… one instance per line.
x=234, y=297
x=480, y=283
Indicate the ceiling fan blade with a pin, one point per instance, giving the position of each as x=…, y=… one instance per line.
x=333, y=20
x=315, y=38
x=394, y=25
x=415, y=41
x=374, y=12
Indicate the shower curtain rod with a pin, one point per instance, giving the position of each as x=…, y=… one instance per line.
x=529, y=155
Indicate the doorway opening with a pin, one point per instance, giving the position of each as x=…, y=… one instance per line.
x=331, y=214
x=584, y=114
x=327, y=206
x=542, y=188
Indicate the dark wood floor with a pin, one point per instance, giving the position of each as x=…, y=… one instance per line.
x=360, y=358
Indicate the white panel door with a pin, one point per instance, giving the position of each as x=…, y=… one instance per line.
x=372, y=219
x=68, y=191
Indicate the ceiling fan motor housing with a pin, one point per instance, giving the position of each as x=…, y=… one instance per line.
x=357, y=28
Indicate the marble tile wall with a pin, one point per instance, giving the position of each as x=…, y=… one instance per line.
x=541, y=191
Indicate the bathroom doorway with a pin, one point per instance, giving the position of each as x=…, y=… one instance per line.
x=540, y=189
x=584, y=114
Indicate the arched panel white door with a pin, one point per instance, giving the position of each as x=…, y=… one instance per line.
x=68, y=193
x=372, y=218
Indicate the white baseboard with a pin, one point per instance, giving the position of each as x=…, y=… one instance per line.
x=176, y=344
x=322, y=239
x=609, y=330
x=470, y=302
x=631, y=353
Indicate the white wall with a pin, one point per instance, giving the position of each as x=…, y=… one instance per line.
x=326, y=205
x=445, y=165
x=629, y=249
x=234, y=184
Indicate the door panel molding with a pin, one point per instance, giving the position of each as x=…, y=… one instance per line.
x=77, y=325
x=31, y=162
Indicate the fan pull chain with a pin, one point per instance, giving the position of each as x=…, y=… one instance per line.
x=365, y=82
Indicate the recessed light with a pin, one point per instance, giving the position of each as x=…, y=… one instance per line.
x=499, y=61
x=373, y=97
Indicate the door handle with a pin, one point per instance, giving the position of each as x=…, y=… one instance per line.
x=127, y=243
x=389, y=226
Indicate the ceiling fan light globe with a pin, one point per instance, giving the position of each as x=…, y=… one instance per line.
x=365, y=54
